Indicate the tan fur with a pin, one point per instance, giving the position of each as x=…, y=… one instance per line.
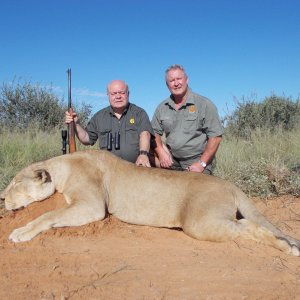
x=96, y=182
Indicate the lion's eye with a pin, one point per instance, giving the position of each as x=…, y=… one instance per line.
x=16, y=183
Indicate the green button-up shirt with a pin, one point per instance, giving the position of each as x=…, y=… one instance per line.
x=133, y=121
x=188, y=128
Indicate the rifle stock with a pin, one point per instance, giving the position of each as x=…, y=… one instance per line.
x=71, y=126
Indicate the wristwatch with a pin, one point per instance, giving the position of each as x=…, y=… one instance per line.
x=202, y=163
x=143, y=152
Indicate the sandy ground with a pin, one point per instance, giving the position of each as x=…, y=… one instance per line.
x=114, y=260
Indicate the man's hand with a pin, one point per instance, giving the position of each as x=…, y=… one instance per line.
x=70, y=118
x=143, y=160
x=165, y=158
x=81, y=133
x=196, y=167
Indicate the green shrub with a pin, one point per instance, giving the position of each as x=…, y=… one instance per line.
x=271, y=114
x=23, y=105
x=31, y=117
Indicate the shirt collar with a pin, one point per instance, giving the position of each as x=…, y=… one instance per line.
x=124, y=112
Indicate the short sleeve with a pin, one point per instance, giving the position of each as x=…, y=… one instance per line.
x=212, y=124
x=156, y=123
x=144, y=122
x=91, y=129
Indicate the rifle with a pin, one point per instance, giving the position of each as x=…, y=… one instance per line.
x=71, y=126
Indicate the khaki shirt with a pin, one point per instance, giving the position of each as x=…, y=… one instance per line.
x=133, y=121
x=188, y=128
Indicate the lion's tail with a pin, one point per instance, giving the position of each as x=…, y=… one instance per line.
x=249, y=211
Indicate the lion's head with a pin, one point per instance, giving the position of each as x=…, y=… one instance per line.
x=29, y=185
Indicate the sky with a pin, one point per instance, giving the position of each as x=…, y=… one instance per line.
x=230, y=49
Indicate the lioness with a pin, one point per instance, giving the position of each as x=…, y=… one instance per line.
x=96, y=182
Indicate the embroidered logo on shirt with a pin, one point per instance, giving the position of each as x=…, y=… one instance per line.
x=131, y=121
x=192, y=108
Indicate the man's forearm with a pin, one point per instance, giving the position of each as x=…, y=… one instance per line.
x=211, y=149
x=145, y=141
x=82, y=135
x=159, y=144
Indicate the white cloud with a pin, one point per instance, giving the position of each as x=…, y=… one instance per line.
x=96, y=99
x=56, y=89
x=84, y=92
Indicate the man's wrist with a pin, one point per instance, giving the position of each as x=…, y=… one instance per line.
x=160, y=151
x=203, y=163
x=143, y=152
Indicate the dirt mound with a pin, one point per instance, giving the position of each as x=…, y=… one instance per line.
x=114, y=260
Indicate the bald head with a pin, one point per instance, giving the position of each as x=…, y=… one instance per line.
x=118, y=95
x=117, y=85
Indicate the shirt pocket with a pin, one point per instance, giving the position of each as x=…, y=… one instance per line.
x=167, y=124
x=131, y=135
x=190, y=124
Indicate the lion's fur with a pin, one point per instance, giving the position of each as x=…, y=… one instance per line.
x=95, y=182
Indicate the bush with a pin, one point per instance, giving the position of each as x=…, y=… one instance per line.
x=26, y=105
x=31, y=117
x=271, y=114
x=260, y=150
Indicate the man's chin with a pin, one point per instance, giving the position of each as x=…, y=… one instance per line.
x=119, y=106
x=179, y=93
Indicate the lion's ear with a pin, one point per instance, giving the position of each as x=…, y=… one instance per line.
x=42, y=175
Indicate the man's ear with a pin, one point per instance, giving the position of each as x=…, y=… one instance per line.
x=42, y=175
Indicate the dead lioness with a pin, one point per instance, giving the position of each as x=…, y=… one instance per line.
x=96, y=182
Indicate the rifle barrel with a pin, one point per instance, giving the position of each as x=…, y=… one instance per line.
x=71, y=126
x=69, y=89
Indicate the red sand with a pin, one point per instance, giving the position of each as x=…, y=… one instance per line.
x=114, y=260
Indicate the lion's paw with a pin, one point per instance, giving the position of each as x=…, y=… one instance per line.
x=21, y=234
x=295, y=250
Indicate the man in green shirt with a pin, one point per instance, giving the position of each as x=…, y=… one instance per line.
x=191, y=126
x=122, y=128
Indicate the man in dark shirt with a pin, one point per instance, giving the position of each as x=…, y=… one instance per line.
x=122, y=128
